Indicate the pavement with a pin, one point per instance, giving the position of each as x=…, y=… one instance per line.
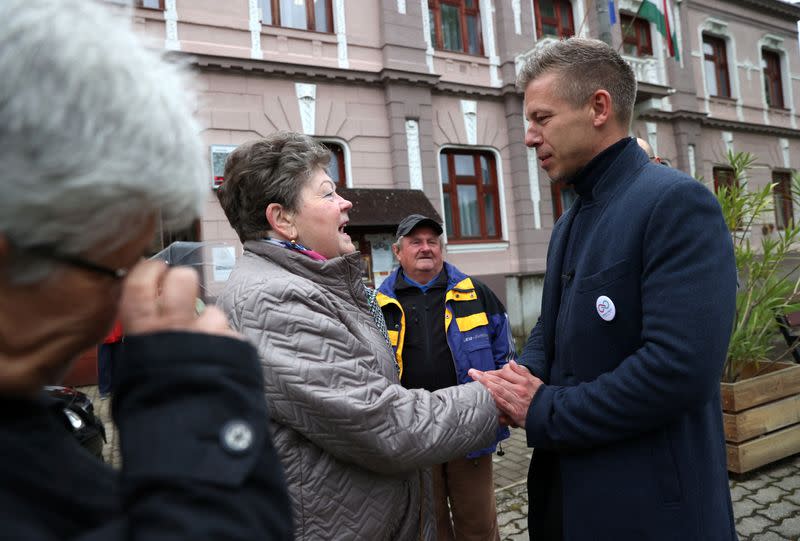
x=766, y=501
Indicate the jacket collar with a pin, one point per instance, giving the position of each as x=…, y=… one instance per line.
x=454, y=277
x=339, y=273
x=603, y=174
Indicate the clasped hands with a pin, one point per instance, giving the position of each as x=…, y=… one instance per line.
x=512, y=388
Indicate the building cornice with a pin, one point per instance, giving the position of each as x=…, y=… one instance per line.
x=719, y=123
x=463, y=90
x=302, y=72
x=775, y=6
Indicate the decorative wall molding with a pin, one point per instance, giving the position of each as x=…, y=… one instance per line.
x=171, y=42
x=426, y=34
x=727, y=140
x=307, y=102
x=414, y=158
x=652, y=136
x=517, y=10
x=784, y=144
x=490, y=41
x=690, y=152
x=715, y=26
x=469, y=110
x=772, y=42
x=533, y=181
x=579, y=6
x=255, y=30
x=341, y=33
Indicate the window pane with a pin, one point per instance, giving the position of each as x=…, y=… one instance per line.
x=465, y=165
x=488, y=208
x=767, y=90
x=780, y=216
x=448, y=215
x=431, y=21
x=470, y=4
x=566, y=20
x=473, y=34
x=468, y=210
x=266, y=11
x=549, y=30
x=487, y=177
x=628, y=28
x=630, y=49
x=321, y=16
x=293, y=14
x=546, y=8
x=451, y=28
x=724, y=86
x=443, y=168
x=333, y=167
x=155, y=4
x=711, y=77
x=708, y=49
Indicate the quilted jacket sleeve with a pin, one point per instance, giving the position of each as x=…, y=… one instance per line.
x=324, y=382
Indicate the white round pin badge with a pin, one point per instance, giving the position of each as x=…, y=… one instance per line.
x=605, y=308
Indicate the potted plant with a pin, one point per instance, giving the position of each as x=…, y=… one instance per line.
x=760, y=386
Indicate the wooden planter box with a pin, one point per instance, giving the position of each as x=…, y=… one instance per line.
x=762, y=417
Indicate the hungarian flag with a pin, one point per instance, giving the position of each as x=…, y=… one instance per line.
x=659, y=12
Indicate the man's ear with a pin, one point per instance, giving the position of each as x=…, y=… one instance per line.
x=281, y=221
x=396, y=250
x=600, y=103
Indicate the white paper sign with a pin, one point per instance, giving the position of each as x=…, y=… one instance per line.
x=224, y=258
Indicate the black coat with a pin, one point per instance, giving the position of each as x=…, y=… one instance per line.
x=631, y=401
x=198, y=462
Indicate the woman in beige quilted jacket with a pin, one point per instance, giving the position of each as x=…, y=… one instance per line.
x=355, y=445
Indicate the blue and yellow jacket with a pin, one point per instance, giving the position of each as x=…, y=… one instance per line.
x=481, y=337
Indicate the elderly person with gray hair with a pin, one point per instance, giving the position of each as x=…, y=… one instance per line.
x=355, y=444
x=97, y=142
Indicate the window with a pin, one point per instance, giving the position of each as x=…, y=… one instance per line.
x=336, y=168
x=301, y=14
x=723, y=176
x=456, y=25
x=469, y=186
x=554, y=18
x=150, y=4
x=636, y=36
x=784, y=216
x=716, y=67
x=564, y=195
x=773, y=88
x=219, y=153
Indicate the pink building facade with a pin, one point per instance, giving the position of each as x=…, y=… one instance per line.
x=419, y=95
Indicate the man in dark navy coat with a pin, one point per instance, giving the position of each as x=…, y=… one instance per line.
x=619, y=385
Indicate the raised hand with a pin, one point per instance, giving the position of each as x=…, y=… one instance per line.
x=158, y=298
